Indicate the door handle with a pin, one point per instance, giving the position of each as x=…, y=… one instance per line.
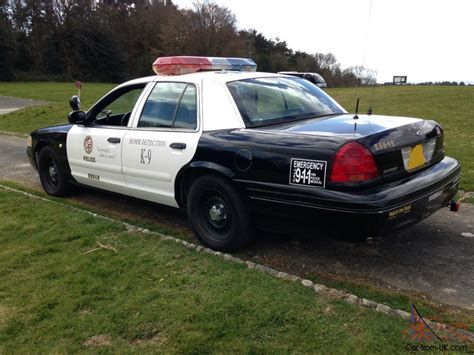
x=178, y=146
x=113, y=140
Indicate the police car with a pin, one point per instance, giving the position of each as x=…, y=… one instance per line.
x=237, y=148
x=315, y=78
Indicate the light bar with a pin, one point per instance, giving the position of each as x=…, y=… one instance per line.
x=186, y=64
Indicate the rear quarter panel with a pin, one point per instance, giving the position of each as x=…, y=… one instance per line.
x=271, y=152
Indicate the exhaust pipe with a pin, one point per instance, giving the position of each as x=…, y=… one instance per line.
x=455, y=206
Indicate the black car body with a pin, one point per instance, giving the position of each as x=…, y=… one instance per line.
x=364, y=175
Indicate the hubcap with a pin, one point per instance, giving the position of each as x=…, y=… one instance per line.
x=215, y=216
x=217, y=212
x=52, y=172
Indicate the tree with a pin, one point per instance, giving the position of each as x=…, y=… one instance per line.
x=207, y=30
x=302, y=61
x=6, y=45
x=365, y=76
x=117, y=39
x=95, y=55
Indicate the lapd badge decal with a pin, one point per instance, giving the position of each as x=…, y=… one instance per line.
x=88, y=145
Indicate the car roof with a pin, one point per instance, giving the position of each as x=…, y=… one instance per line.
x=216, y=76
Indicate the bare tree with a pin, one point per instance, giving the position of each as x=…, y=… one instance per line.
x=364, y=75
x=208, y=29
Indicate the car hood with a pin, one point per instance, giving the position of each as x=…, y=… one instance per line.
x=59, y=128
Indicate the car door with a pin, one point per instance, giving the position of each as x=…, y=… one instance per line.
x=95, y=150
x=164, y=139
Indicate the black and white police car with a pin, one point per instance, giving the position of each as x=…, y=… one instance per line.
x=237, y=148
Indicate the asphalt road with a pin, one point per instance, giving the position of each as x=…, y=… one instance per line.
x=433, y=258
x=10, y=104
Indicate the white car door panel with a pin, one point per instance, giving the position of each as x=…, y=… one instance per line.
x=150, y=165
x=163, y=139
x=93, y=159
x=95, y=151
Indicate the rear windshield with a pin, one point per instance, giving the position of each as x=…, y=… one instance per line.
x=264, y=101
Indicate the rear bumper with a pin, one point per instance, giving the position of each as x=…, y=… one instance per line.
x=373, y=211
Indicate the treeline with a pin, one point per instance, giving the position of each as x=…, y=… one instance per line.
x=444, y=83
x=434, y=83
x=116, y=40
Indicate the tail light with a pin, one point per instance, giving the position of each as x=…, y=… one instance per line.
x=354, y=163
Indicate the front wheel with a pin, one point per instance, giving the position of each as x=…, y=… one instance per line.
x=54, y=181
x=218, y=215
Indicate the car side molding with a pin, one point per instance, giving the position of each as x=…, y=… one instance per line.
x=213, y=166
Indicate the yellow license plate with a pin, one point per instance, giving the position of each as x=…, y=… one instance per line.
x=417, y=158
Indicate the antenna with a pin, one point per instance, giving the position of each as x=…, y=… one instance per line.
x=357, y=110
x=364, y=54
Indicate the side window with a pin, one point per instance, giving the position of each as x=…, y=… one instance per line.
x=186, y=116
x=170, y=105
x=117, y=111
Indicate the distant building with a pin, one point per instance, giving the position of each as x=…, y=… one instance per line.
x=399, y=80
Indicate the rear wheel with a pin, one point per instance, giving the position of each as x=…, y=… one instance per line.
x=218, y=215
x=54, y=181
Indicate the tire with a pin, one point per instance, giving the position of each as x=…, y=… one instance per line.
x=218, y=215
x=54, y=181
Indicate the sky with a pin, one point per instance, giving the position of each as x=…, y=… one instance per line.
x=426, y=40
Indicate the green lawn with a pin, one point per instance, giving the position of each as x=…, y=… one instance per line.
x=395, y=299
x=453, y=107
x=56, y=94
x=58, y=295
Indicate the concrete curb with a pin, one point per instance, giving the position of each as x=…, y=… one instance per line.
x=317, y=288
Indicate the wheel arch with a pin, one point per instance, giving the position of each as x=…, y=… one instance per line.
x=58, y=147
x=191, y=172
x=37, y=149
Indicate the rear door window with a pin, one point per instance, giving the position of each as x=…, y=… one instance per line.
x=170, y=105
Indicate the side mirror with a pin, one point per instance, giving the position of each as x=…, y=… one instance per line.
x=75, y=103
x=76, y=117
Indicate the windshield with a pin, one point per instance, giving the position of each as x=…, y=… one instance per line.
x=264, y=101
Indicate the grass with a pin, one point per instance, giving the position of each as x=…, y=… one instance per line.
x=400, y=300
x=54, y=112
x=450, y=106
x=394, y=299
x=144, y=221
x=154, y=295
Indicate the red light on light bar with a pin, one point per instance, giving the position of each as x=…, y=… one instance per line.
x=187, y=64
x=180, y=65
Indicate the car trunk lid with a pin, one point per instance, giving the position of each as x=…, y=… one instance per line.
x=406, y=149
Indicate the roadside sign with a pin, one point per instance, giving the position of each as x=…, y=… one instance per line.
x=78, y=87
x=399, y=80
